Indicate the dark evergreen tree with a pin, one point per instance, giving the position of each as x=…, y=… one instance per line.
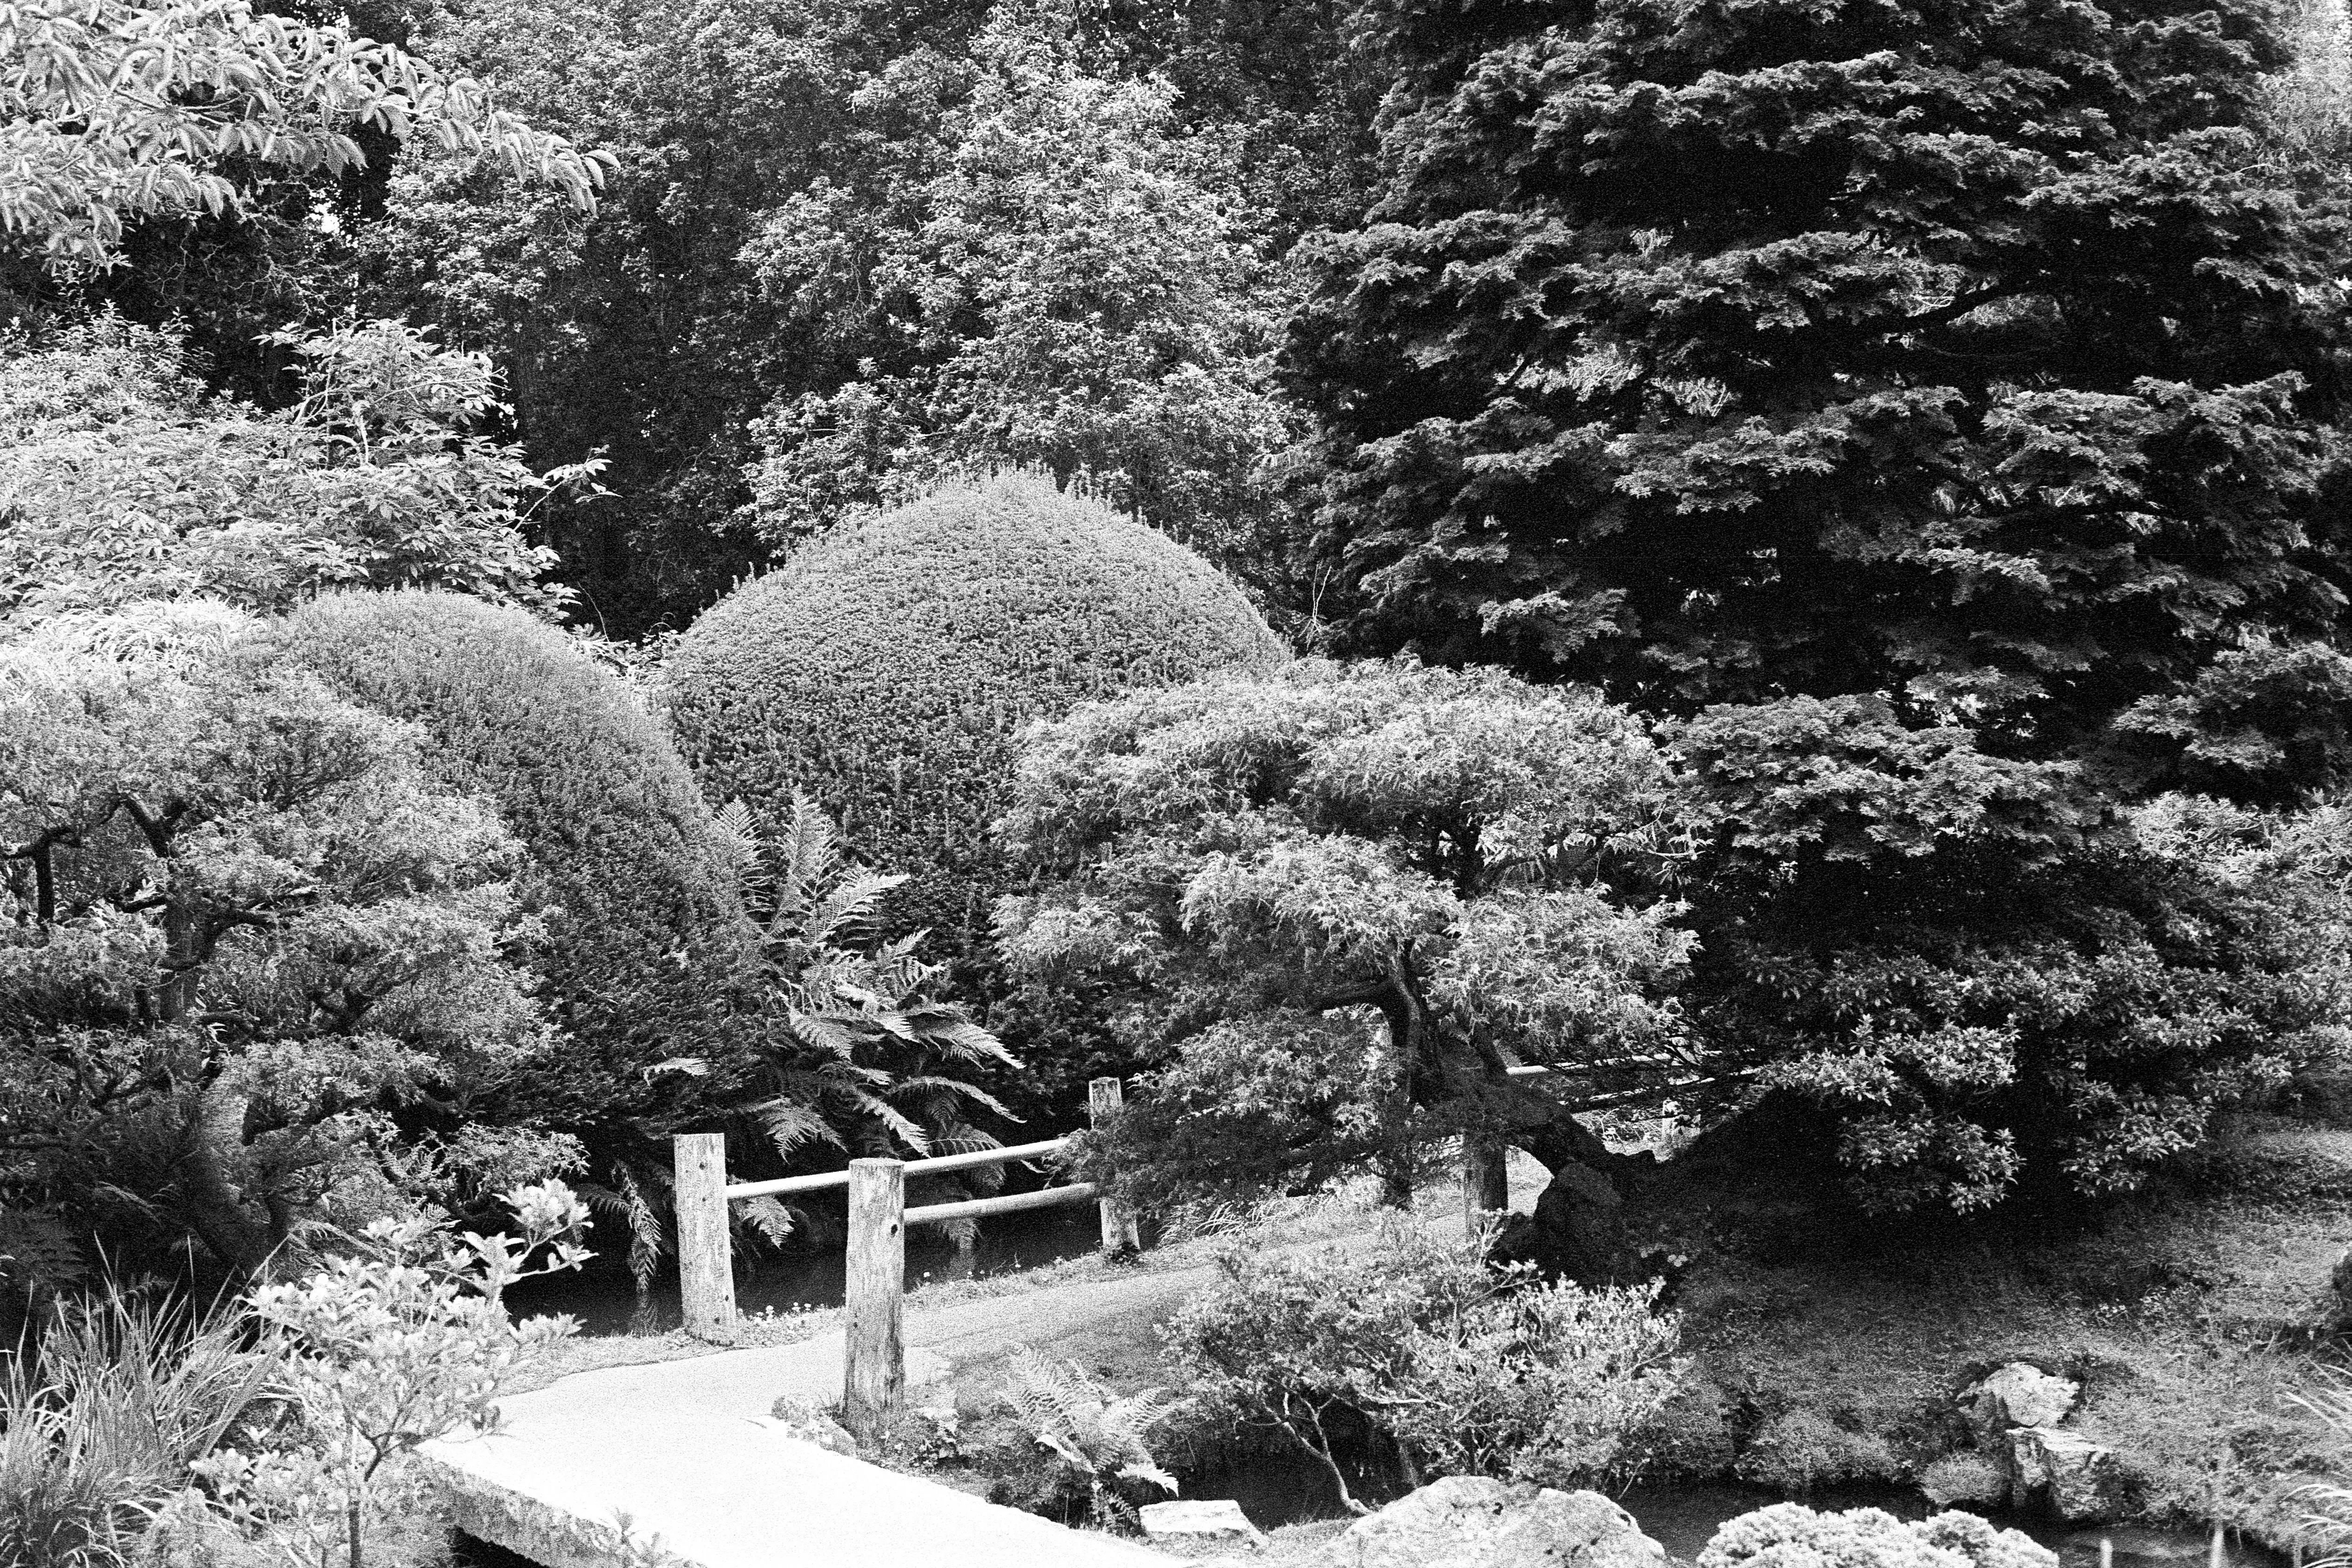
x=1934, y=406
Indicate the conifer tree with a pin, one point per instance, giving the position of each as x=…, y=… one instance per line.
x=1932, y=412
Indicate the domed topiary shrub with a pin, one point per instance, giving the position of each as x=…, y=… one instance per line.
x=888, y=665
x=646, y=938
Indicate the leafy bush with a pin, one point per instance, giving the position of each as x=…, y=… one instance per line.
x=647, y=946
x=405, y=1341
x=1467, y=1370
x=1791, y=1535
x=887, y=666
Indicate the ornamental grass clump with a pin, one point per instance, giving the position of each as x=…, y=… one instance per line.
x=102, y=1421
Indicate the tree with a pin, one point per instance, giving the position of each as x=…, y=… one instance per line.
x=1969, y=356
x=1070, y=286
x=112, y=111
x=241, y=927
x=1344, y=901
x=1934, y=409
x=121, y=481
x=776, y=157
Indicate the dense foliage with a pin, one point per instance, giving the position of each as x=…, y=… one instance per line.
x=829, y=204
x=1072, y=285
x=111, y=112
x=1934, y=409
x=1970, y=356
x=244, y=921
x=648, y=950
x=121, y=481
x=888, y=668
x=1339, y=902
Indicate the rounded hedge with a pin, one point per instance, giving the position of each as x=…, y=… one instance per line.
x=887, y=666
x=647, y=936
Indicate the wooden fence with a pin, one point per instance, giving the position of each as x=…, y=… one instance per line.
x=874, y=1376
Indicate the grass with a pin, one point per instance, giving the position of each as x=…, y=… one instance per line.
x=100, y=1423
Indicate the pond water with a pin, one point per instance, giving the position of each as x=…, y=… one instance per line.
x=604, y=1299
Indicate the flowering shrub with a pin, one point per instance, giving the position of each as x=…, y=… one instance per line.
x=407, y=1341
x=1791, y=1535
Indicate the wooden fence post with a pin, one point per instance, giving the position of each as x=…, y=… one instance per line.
x=1486, y=1182
x=1120, y=1231
x=874, y=1377
x=706, y=1274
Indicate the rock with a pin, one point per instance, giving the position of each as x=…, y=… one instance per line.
x=1195, y=1527
x=799, y=1418
x=1966, y=1478
x=1577, y=1232
x=2018, y=1394
x=2077, y=1478
x=1468, y=1522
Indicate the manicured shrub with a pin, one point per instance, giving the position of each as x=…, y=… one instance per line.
x=646, y=940
x=886, y=667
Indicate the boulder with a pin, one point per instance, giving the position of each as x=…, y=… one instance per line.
x=1469, y=1521
x=799, y=1418
x=2078, y=1479
x=1197, y=1528
x=1577, y=1231
x=2018, y=1394
x=1966, y=1478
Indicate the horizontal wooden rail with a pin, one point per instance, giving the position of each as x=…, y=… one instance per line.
x=1006, y=1203
x=936, y=1165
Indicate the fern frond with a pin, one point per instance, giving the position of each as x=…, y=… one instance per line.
x=849, y=911
x=771, y=1219
x=1146, y=1470
x=791, y=1126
